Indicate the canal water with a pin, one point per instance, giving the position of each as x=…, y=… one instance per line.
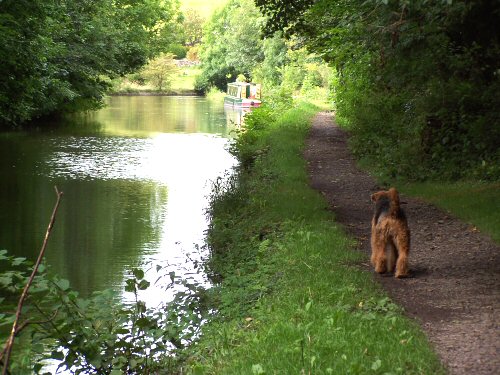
x=135, y=177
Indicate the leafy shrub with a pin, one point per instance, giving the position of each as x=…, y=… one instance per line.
x=192, y=53
x=159, y=71
x=99, y=334
x=312, y=79
x=178, y=50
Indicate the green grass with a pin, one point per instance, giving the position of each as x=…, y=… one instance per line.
x=293, y=299
x=215, y=95
x=182, y=84
x=477, y=203
x=184, y=80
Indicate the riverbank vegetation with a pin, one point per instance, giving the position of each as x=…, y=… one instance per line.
x=105, y=333
x=418, y=81
x=233, y=45
x=64, y=56
x=292, y=297
x=58, y=56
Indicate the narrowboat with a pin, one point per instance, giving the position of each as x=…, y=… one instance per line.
x=243, y=94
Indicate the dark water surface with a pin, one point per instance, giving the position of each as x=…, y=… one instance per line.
x=135, y=177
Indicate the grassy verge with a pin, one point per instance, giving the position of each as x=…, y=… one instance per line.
x=474, y=202
x=182, y=84
x=291, y=297
x=184, y=81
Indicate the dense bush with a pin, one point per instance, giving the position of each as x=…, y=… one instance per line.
x=100, y=334
x=57, y=56
x=178, y=50
x=418, y=83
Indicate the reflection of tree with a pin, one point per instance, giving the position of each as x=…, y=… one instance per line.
x=101, y=228
x=105, y=226
x=142, y=115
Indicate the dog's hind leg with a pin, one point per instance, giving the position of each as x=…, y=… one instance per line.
x=378, y=258
x=403, y=248
x=391, y=256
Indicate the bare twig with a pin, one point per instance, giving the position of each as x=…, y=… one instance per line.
x=24, y=294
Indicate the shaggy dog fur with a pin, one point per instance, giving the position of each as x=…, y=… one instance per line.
x=390, y=237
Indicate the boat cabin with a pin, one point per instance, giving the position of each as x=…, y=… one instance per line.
x=243, y=94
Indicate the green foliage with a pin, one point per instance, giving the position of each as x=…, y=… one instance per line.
x=193, y=27
x=418, y=81
x=178, y=50
x=231, y=45
x=99, y=334
x=56, y=55
x=288, y=282
x=268, y=72
x=159, y=72
x=283, y=14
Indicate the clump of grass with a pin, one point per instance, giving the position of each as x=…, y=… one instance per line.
x=290, y=294
x=215, y=95
x=473, y=202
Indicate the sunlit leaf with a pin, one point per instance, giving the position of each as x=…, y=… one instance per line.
x=143, y=285
x=63, y=284
x=18, y=261
x=138, y=273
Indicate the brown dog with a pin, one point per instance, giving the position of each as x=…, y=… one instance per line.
x=390, y=234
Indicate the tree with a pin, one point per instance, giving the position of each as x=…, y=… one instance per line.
x=418, y=81
x=57, y=55
x=269, y=71
x=283, y=14
x=193, y=27
x=231, y=44
x=160, y=70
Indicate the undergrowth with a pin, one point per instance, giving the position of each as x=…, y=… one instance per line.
x=290, y=295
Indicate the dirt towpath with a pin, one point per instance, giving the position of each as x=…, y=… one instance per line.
x=454, y=288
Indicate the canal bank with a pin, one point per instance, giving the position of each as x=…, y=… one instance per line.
x=291, y=296
x=135, y=177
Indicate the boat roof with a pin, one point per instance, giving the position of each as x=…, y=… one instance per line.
x=242, y=84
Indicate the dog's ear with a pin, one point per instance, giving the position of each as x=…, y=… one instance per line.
x=376, y=196
x=394, y=195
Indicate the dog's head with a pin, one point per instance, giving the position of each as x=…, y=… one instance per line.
x=379, y=194
x=391, y=194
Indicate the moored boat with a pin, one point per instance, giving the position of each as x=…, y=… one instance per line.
x=243, y=94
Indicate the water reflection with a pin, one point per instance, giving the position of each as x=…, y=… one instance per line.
x=146, y=115
x=235, y=116
x=135, y=177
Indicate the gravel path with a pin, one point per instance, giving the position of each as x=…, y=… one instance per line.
x=454, y=288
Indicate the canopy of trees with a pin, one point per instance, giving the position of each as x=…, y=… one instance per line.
x=419, y=81
x=231, y=44
x=57, y=56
